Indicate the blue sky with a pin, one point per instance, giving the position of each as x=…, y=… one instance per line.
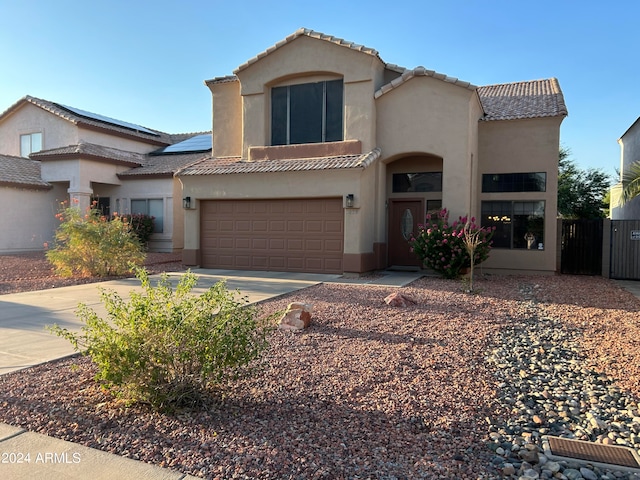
x=145, y=61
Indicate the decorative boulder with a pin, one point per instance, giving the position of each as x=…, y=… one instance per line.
x=296, y=317
x=399, y=300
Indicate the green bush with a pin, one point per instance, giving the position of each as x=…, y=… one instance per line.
x=441, y=246
x=142, y=225
x=93, y=245
x=171, y=349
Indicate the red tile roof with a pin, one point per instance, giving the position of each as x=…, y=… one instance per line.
x=309, y=33
x=21, y=172
x=519, y=100
x=230, y=165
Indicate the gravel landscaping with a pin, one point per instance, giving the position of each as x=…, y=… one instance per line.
x=455, y=386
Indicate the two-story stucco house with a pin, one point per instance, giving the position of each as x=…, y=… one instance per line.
x=51, y=153
x=629, y=154
x=325, y=159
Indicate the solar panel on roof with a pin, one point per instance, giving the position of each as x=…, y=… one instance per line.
x=112, y=121
x=197, y=143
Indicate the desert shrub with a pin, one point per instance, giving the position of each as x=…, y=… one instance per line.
x=441, y=246
x=171, y=348
x=93, y=245
x=142, y=225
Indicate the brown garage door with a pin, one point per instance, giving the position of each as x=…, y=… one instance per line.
x=301, y=235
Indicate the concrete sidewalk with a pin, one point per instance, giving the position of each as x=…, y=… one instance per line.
x=24, y=342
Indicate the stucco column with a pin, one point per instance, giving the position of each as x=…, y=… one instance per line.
x=80, y=198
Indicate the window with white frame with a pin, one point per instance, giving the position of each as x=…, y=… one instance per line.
x=154, y=207
x=30, y=143
x=307, y=113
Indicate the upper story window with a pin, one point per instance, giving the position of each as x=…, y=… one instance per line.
x=307, y=113
x=514, y=182
x=30, y=143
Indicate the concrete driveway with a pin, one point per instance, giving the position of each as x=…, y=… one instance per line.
x=25, y=342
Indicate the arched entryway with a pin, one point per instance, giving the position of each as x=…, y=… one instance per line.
x=414, y=188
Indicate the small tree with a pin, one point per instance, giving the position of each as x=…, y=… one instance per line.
x=169, y=348
x=441, y=247
x=93, y=245
x=473, y=239
x=581, y=193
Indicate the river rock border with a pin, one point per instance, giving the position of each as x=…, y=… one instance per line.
x=545, y=388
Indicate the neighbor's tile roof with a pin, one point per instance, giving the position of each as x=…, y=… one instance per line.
x=156, y=137
x=21, y=173
x=309, y=33
x=533, y=99
x=143, y=165
x=163, y=165
x=229, y=165
x=420, y=72
x=91, y=150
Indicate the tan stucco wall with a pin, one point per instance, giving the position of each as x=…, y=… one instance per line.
x=56, y=132
x=308, y=60
x=159, y=188
x=227, y=119
x=529, y=145
x=429, y=116
x=28, y=218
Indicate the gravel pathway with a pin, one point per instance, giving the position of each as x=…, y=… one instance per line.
x=452, y=387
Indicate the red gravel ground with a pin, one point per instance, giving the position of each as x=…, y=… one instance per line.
x=369, y=391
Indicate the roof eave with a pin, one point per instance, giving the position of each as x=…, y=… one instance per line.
x=84, y=156
x=26, y=186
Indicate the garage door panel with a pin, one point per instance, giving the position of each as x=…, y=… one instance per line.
x=242, y=243
x=277, y=243
x=225, y=242
x=313, y=245
x=295, y=244
x=277, y=263
x=277, y=226
x=333, y=226
x=333, y=246
x=243, y=226
x=285, y=235
x=225, y=226
x=295, y=226
x=332, y=265
x=259, y=243
x=259, y=225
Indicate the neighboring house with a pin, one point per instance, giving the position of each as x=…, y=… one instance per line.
x=325, y=159
x=629, y=154
x=55, y=153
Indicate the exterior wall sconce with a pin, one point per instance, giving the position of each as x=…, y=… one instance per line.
x=186, y=203
x=349, y=200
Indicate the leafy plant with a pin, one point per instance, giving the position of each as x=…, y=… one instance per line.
x=142, y=225
x=171, y=348
x=93, y=245
x=441, y=246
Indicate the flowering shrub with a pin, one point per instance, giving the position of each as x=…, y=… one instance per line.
x=93, y=245
x=142, y=225
x=441, y=246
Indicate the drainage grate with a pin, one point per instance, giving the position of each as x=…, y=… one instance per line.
x=595, y=453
